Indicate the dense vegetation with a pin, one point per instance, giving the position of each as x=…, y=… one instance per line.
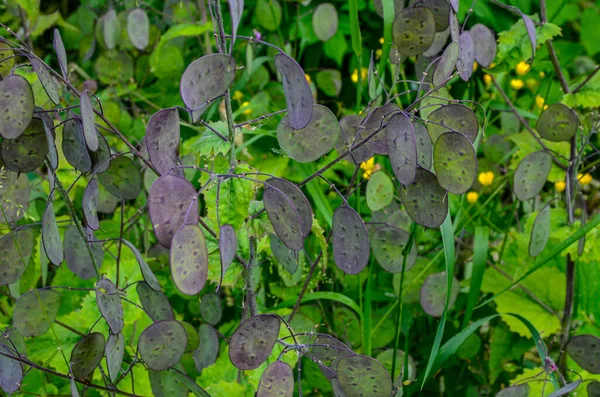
x=282, y=198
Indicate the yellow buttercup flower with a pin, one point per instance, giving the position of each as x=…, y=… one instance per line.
x=307, y=78
x=354, y=76
x=487, y=79
x=585, y=179
x=486, y=178
x=378, y=53
x=545, y=107
x=475, y=65
x=542, y=75
x=246, y=111
x=522, y=68
x=472, y=197
x=517, y=84
x=492, y=65
x=560, y=186
x=238, y=96
x=369, y=167
x=381, y=40
x=539, y=101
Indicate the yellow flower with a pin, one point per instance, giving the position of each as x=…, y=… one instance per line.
x=381, y=40
x=487, y=79
x=369, y=167
x=486, y=178
x=475, y=65
x=545, y=107
x=584, y=179
x=378, y=53
x=472, y=197
x=307, y=78
x=354, y=77
x=492, y=65
x=542, y=75
x=560, y=186
x=246, y=111
x=517, y=84
x=238, y=95
x=522, y=68
x=539, y=101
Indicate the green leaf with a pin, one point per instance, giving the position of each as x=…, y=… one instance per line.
x=209, y=144
x=333, y=296
x=355, y=28
x=587, y=97
x=335, y=48
x=268, y=14
x=590, y=34
x=514, y=45
x=185, y=30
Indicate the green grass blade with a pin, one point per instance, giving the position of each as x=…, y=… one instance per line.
x=367, y=310
x=480, y=250
x=333, y=296
x=448, y=239
x=355, y=28
x=550, y=255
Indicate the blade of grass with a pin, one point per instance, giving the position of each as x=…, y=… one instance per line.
x=549, y=256
x=480, y=250
x=367, y=311
x=355, y=28
x=448, y=240
x=333, y=296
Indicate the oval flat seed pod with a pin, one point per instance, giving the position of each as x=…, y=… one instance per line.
x=155, y=303
x=87, y=354
x=16, y=106
x=298, y=95
x=236, y=9
x=89, y=204
x=447, y=64
x=433, y=294
x=285, y=256
x=51, y=237
x=413, y=30
x=316, y=139
x=298, y=199
x=276, y=381
x=484, y=41
x=363, y=376
x=424, y=147
x=138, y=28
x=386, y=358
x=439, y=42
x=515, y=391
x=149, y=277
x=168, y=202
x=455, y=118
x=325, y=21
x=162, y=344
x=77, y=256
x=329, y=351
x=11, y=371
x=227, y=249
x=350, y=125
x=466, y=57
x=206, y=79
x=74, y=147
x=61, y=54
x=122, y=179
x=15, y=252
x=585, y=351
x=252, y=342
x=208, y=349
x=380, y=191
x=35, y=311
x=210, y=308
x=88, y=118
x=6, y=52
x=284, y=217
x=167, y=384
x=192, y=337
x=455, y=162
x=375, y=121
x=27, y=152
x=531, y=175
x=402, y=149
x=540, y=231
x=593, y=389
x=46, y=79
x=557, y=123
x=189, y=259
x=101, y=157
x=530, y=27
x=425, y=200
x=350, y=240
x=111, y=29
x=109, y=303
x=15, y=190
x=162, y=139
x=454, y=28
x=114, y=351
x=440, y=9
x=388, y=243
